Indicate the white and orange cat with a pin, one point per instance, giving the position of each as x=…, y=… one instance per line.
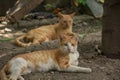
x=48, y=32
x=65, y=58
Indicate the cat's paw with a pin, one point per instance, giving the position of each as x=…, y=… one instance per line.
x=75, y=63
x=28, y=44
x=21, y=78
x=88, y=70
x=11, y=78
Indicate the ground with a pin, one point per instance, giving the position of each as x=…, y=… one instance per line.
x=89, y=30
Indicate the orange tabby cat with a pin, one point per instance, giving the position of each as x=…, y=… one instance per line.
x=65, y=58
x=48, y=32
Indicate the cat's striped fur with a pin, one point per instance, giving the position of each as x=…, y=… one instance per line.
x=64, y=58
x=48, y=32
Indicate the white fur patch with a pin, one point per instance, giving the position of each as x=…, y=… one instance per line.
x=48, y=66
x=73, y=57
x=16, y=65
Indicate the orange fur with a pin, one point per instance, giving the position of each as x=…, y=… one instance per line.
x=61, y=59
x=48, y=32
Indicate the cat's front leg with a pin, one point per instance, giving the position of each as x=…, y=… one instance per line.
x=73, y=68
x=75, y=63
x=21, y=78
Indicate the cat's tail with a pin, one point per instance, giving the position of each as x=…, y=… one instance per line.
x=20, y=43
x=3, y=75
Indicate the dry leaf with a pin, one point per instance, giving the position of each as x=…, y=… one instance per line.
x=76, y=2
x=1, y=35
x=8, y=30
x=57, y=10
x=2, y=31
x=2, y=25
x=102, y=1
x=8, y=35
x=18, y=33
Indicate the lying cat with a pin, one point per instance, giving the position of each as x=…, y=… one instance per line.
x=65, y=58
x=48, y=32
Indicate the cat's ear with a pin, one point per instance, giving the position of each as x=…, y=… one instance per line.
x=73, y=14
x=60, y=15
x=77, y=37
x=62, y=37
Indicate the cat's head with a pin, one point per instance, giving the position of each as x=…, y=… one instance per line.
x=66, y=20
x=68, y=42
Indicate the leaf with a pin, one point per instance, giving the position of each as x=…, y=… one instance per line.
x=8, y=30
x=6, y=39
x=81, y=35
x=48, y=6
x=102, y=1
x=2, y=31
x=76, y=3
x=83, y=2
x=57, y=10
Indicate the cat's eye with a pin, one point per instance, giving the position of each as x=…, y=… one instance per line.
x=64, y=21
x=72, y=44
x=69, y=21
x=65, y=44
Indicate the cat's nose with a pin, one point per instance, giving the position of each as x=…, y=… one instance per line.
x=69, y=50
x=67, y=24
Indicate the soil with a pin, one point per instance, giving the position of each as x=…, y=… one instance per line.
x=89, y=30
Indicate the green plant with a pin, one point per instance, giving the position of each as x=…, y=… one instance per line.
x=48, y=5
x=6, y=39
x=83, y=2
x=79, y=2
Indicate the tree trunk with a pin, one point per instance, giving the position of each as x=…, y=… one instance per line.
x=111, y=29
x=21, y=8
x=5, y=5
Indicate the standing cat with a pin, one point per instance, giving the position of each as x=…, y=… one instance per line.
x=48, y=32
x=65, y=58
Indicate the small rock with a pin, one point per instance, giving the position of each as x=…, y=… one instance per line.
x=40, y=17
x=89, y=61
x=2, y=31
x=102, y=68
x=7, y=35
x=8, y=30
x=18, y=33
x=108, y=73
x=84, y=23
x=4, y=23
x=52, y=72
x=24, y=30
x=1, y=35
x=2, y=55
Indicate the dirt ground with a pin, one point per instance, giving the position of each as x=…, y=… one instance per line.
x=89, y=30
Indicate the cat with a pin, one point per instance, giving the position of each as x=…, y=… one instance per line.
x=64, y=58
x=48, y=32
